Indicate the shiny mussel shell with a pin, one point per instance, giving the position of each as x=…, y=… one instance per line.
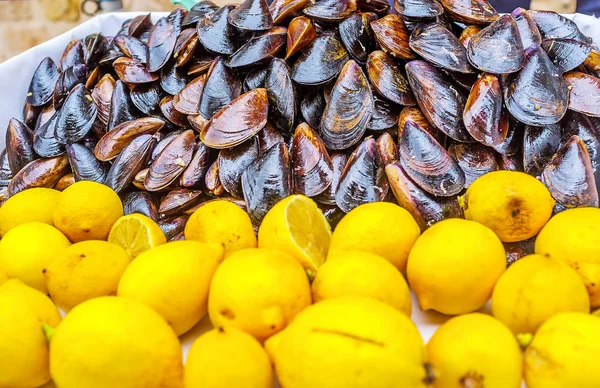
x=102, y=95
x=312, y=107
x=172, y=78
x=198, y=12
x=39, y=173
x=475, y=160
x=530, y=35
x=357, y=36
x=163, y=141
x=286, y=9
x=132, y=47
x=212, y=180
x=45, y=143
x=133, y=72
x=84, y=165
x=514, y=139
x=185, y=46
x=260, y=49
x=539, y=146
x=42, y=83
x=66, y=82
x=386, y=149
x=129, y=162
x=470, y=11
x=194, y=173
x=5, y=174
x=76, y=117
x=415, y=115
x=585, y=93
x=418, y=10
x=301, y=32
x=95, y=46
x=392, y=36
x=554, y=26
x=380, y=7
x=385, y=115
x=175, y=17
x=578, y=124
x=111, y=144
x=331, y=11
x=320, y=62
x=172, y=114
x=171, y=162
x=467, y=34
x=311, y=165
x=161, y=43
x=566, y=54
x=187, y=101
x=388, y=79
x=252, y=15
x=282, y=96
x=173, y=226
x=64, y=182
x=338, y=163
x=122, y=108
x=222, y=86
x=232, y=164
x=72, y=55
x=140, y=202
x=19, y=145
x=216, y=34
x=146, y=97
x=178, y=200
x=592, y=64
x=268, y=138
x=31, y=114
x=255, y=79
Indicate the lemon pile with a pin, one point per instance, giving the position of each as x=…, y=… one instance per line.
x=297, y=303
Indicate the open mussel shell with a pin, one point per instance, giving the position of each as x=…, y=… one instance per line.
x=357, y=36
x=385, y=115
x=428, y=163
x=212, y=180
x=338, y=163
x=440, y=101
x=122, y=108
x=539, y=146
x=470, y=11
x=42, y=83
x=415, y=115
x=260, y=49
x=566, y=54
x=530, y=34
x=330, y=11
x=484, y=115
x=320, y=62
x=161, y=43
x=388, y=79
x=131, y=160
x=66, y=82
x=301, y=32
x=392, y=36
x=282, y=95
x=76, y=117
x=45, y=144
x=39, y=173
x=132, y=71
x=349, y=109
x=439, y=46
x=255, y=79
x=178, y=200
x=173, y=226
x=578, y=124
x=232, y=164
x=418, y=10
x=111, y=144
x=592, y=63
x=172, y=114
x=311, y=165
x=194, y=173
x=19, y=145
x=171, y=162
x=102, y=95
x=140, y=178
x=497, y=48
x=200, y=64
x=425, y=208
x=282, y=10
x=185, y=46
x=222, y=86
x=467, y=34
x=554, y=26
x=474, y=159
x=216, y=34
x=267, y=181
x=146, y=97
x=363, y=179
x=538, y=94
x=84, y=165
x=172, y=78
x=569, y=176
x=252, y=15
x=72, y=55
x=187, y=101
x=140, y=202
x=312, y=107
x=386, y=149
x=132, y=47
x=198, y=12
x=585, y=93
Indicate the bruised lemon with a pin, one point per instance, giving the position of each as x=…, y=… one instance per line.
x=26, y=250
x=226, y=358
x=30, y=205
x=454, y=266
x=173, y=279
x=85, y=270
x=475, y=350
x=23, y=345
x=356, y=273
x=382, y=228
x=297, y=227
x=87, y=211
x=136, y=233
x=515, y=205
x=573, y=236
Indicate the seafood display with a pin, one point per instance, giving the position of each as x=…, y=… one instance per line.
x=347, y=102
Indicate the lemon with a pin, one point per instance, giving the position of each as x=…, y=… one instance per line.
x=84, y=271
x=573, y=236
x=86, y=211
x=564, y=353
x=515, y=205
x=27, y=206
x=226, y=358
x=297, y=227
x=349, y=342
x=221, y=222
x=136, y=233
x=29, y=248
x=534, y=289
x=258, y=291
x=356, y=273
x=173, y=279
x=475, y=350
x=382, y=228
x=454, y=266
x=115, y=342
x=3, y=277
x=596, y=313
x=23, y=345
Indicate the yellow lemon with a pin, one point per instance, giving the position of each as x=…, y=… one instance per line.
x=173, y=279
x=382, y=228
x=115, y=342
x=28, y=206
x=85, y=270
x=221, y=222
x=3, y=277
x=454, y=266
x=86, y=211
x=573, y=236
x=596, y=313
x=227, y=358
x=564, y=353
x=297, y=227
x=23, y=346
x=258, y=291
x=475, y=350
x=534, y=289
x=26, y=250
x=136, y=233
x=349, y=342
x=356, y=273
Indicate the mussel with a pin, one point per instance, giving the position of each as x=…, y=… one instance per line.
x=282, y=95
x=539, y=146
x=357, y=36
x=470, y=11
x=251, y=15
x=585, y=93
x=198, y=12
x=173, y=226
x=133, y=72
x=311, y=165
x=388, y=79
x=338, y=163
x=129, y=162
x=194, y=173
x=415, y=115
x=84, y=165
x=178, y=200
x=320, y=62
x=42, y=83
x=171, y=162
x=122, y=108
x=566, y=54
x=212, y=180
x=172, y=78
x=474, y=159
x=185, y=46
x=19, y=145
x=301, y=32
x=146, y=97
x=530, y=35
x=312, y=107
x=286, y=9
x=554, y=26
x=260, y=49
x=140, y=202
x=132, y=47
x=216, y=34
x=232, y=163
x=64, y=182
x=385, y=115
x=392, y=36
x=45, y=143
x=39, y=173
x=418, y=10
x=331, y=11
x=439, y=46
x=268, y=138
x=111, y=144
x=222, y=86
x=173, y=115
x=76, y=117
x=386, y=149
x=578, y=124
x=102, y=95
x=187, y=101
x=66, y=82
x=72, y=55
x=161, y=43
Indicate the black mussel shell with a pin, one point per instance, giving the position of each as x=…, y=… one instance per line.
x=252, y=15
x=440, y=47
x=281, y=10
x=187, y=101
x=176, y=19
x=94, y=77
x=163, y=141
x=122, y=108
x=112, y=54
x=129, y=162
x=357, y=36
x=5, y=174
x=45, y=115
x=312, y=107
x=161, y=44
x=539, y=146
x=45, y=143
x=330, y=11
x=173, y=226
x=42, y=83
x=185, y=46
x=267, y=181
x=338, y=162
x=418, y=10
x=578, y=124
x=133, y=72
x=530, y=34
x=140, y=202
x=566, y=54
x=440, y=101
x=216, y=34
x=19, y=145
x=555, y=26
x=349, y=109
x=428, y=163
x=474, y=159
x=72, y=55
x=102, y=95
x=171, y=162
x=194, y=174
x=517, y=250
x=111, y=144
x=467, y=34
x=232, y=164
x=255, y=79
x=178, y=200
x=222, y=86
x=31, y=114
x=282, y=96
x=538, y=94
x=199, y=11
x=311, y=165
x=385, y=115
x=200, y=65
x=464, y=80
x=140, y=25
x=470, y=11
x=392, y=36
x=173, y=79
x=380, y=7
x=39, y=173
x=268, y=138
x=415, y=115
x=173, y=115
x=84, y=164
x=514, y=139
x=76, y=117
x=388, y=79
x=132, y=47
x=585, y=93
x=212, y=180
x=386, y=149
x=259, y=50
x=301, y=32
x=95, y=47
x=320, y=62
x=146, y=97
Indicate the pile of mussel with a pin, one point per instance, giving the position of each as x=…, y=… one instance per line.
x=345, y=101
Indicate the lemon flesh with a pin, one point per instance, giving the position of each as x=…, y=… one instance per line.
x=136, y=233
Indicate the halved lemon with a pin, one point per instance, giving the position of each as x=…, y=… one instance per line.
x=136, y=233
x=297, y=227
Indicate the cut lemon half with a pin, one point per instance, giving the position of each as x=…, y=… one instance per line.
x=297, y=227
x=136, y=233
